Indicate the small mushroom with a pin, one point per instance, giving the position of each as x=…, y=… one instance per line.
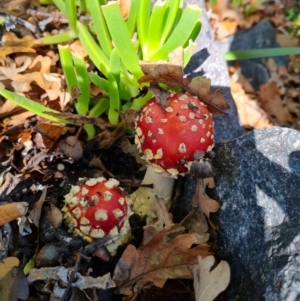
x=71, y=147
x=97, y=208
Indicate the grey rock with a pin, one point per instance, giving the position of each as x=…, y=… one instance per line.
x=260, y=36
x=258, y=184
x=208, y=61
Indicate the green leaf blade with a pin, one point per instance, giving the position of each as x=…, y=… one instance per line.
x=143, y=18
x=82, y=103
x=156, y=28
x=99, y=81
x=132, y=18
x=114, y=101
x=180, y=36
x=260, y=53
x=173, y=10
x=57, y=38
x=101, y=29
x=121, y=38
x=31, y=105
x=92, y=48
x=68, y=67
x=71, y=12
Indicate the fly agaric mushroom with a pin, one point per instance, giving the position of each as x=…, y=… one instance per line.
x=171, y=138
x=96, y=208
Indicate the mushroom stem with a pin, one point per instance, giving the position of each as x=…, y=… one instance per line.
x=144, y=198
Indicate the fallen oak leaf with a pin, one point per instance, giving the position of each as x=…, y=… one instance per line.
x=198, y=226
x=203, y=201
x=168, y=72
x=215, y=100
x=208, y=283
x=164, y=220
x=15, y=45
x=171, y=73
x=157, y=261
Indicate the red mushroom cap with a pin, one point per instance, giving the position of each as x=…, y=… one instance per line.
x=170, y=137
x=96, y=208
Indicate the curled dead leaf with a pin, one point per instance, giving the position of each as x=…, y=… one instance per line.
x=157, y=261
x=164, y=220
x=203, y=201
x=35, y=212
x=171, y=73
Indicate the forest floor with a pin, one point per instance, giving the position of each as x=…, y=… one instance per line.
x=38, y=165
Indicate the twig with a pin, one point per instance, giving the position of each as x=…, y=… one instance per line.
x=33, y=12
x=188, y=216
x=72, y=277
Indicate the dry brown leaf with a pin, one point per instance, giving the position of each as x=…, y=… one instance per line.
x=171, y=73
x=203, y=201
x=286, y=40
x=270, y=98
x=12, y=211
x=198, y=227
x=156, y=262
x=18, y=118
x=218, y=7
x=250, y=113
x=7, y=107
x=41, y=64
x=208, y=283
x=8, y=181
x=77, y=49
x=18, y=5
x=12, y=70
x=15, y=45
x=35, y=212
x=164, y=220
x=49, y=132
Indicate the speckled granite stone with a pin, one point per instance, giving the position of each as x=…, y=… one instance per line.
x=258, y=184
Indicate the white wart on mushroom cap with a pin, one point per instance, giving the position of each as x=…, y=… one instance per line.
x=96, y=208
x=169, y=137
